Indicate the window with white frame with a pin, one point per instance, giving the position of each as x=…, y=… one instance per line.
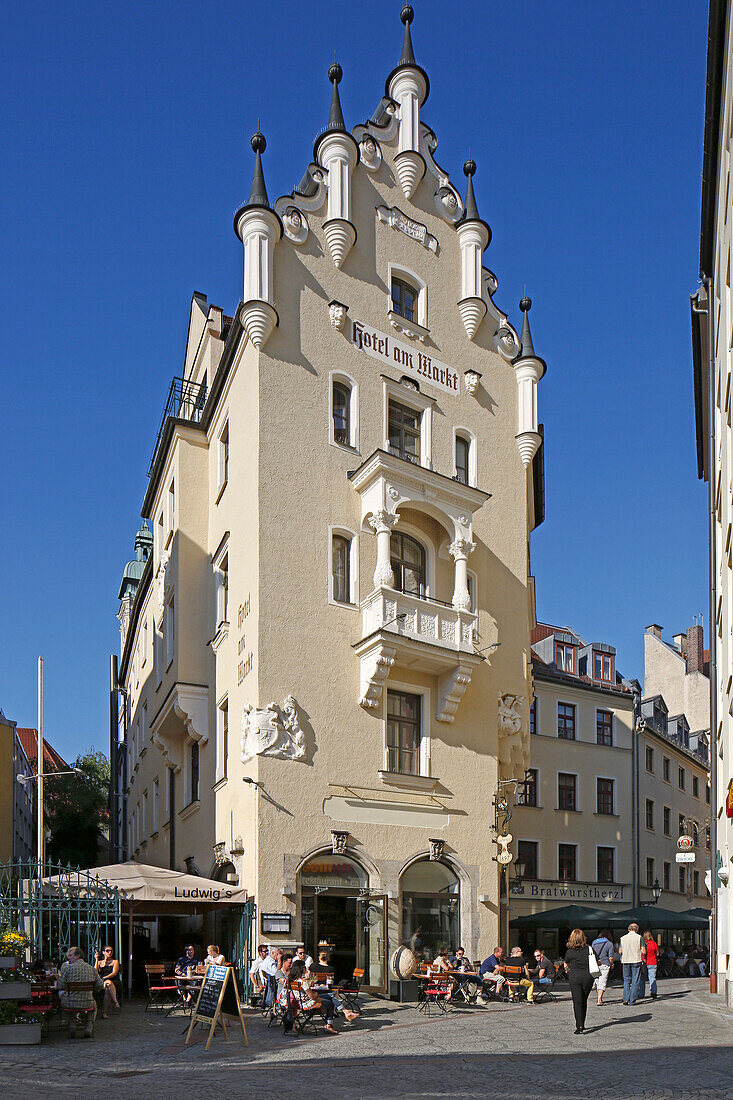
x=343, y=567
x=144, y=728
x=170, y=515
x=222, y=739
x=404, y=749
x=464, y=456
x=158, y=655
x=145, y=641
x=169, y=629
x=408, y=299
x=344, y=411
x=193, y=772
x=221, y=586
x=144, y=816
x=156, y=804
x=409, y=563
x=223, y=459
x=407, y=422
x=405, y=430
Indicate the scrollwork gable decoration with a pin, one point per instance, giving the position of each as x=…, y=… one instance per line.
x=274, y=731
x=513, y=749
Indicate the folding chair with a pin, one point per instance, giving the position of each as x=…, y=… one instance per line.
x=543, y=991
x=305, y=1008
x=163, y=993
x=349, y=990
x=514, y=975
x=80, y=1016
x=437, y=996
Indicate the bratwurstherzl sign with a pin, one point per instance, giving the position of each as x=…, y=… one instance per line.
x=415, y=363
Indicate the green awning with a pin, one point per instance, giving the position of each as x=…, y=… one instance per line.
x=653, y=916
x=564, y=916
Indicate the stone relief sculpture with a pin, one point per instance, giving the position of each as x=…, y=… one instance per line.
x=511, y=747
x=274, y=731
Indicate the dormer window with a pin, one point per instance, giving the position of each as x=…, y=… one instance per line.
x=404, y=299
x=565, y=657
x=603, y=666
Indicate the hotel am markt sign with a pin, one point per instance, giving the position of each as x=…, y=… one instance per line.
x=416, y=364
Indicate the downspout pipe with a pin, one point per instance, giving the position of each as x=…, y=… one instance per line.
x=635, y=727
x=113, y=778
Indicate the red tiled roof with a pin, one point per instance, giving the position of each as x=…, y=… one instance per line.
x=542, y=630
x=51, y=759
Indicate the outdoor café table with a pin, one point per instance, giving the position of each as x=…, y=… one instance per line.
x=186, y=984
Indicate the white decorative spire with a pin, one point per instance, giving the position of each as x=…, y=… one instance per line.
x=474, y=236
x=528, y=369
x=408, y=84
x=336, y=150
x=259, y=229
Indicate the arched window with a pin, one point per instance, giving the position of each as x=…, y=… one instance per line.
x=462, y=451
x=341, y=413
x=430, y=908
x=404, y=298
x=408, y=563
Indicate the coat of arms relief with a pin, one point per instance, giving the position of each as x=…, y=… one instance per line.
x=273, y=731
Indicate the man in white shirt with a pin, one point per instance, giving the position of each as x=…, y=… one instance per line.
x=305, y=959
x=262, y=974
x=631, y=947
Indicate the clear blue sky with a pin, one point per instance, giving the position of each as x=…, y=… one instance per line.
x=125, y=150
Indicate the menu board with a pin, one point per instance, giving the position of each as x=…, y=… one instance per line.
x=211, y=989
x=218, y=997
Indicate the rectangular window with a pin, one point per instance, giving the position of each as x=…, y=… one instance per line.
x=144, y=818
x=221, y=582
x=341, y=568
x=403, y=732
x=604, y=796
x=145, y=641
x=696, y=882
x=565, y=657
x=462, y=451
x=695, y=787
x=341, y=413
x=604, y=727
x=681, y=778
x=527, y=791
x=681, y=825
x=527, y=855
x=649, y=759
x=156, y=804
x=223, y=458
x=170, y=627
x=604, y=860
x=667, y=816
x=144, y=728
x=222, y=739
x=666, y=872
x=665, y=769
x=602, y=666
x=403, y=431
x=566, y=791
x=170, y=516
x=194, y=772
x=567, y=862
x=681, y=880
x=707, y=795
x=404, y=299
x=566, y=721
x=158, y=655
x=649, y=814
x=533, y=716
x=650, y=872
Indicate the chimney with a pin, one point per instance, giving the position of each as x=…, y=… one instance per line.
x=655, y=630
x=680, y=643
x=694, y=649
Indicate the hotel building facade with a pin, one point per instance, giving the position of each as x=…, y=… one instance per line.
x=325, y=663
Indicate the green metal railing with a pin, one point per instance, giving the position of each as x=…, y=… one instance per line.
x=60, y=907
x=242, y=948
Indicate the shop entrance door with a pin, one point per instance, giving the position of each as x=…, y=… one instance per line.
x=371, y=942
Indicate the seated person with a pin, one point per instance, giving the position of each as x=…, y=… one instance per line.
x=441, y=963
x=516, y=959
x=185, y=967
x=262, y=973
x=460, y=962
x=541, y=969
x=108, y=968
x=490, y=971
x=322, y=969
x=283, y=995
x=77, y=969
x=300, y=956
x=213, y=956
x=313, y=993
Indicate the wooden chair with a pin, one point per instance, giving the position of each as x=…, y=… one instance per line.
x=305, y=1008
x=80, y=1016
x=163, y=992
x=348, y=991
x=514, y=975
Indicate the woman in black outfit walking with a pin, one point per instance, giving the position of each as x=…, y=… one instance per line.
x=577, y=968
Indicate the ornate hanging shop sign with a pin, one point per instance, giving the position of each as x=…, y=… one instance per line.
x=399, y=356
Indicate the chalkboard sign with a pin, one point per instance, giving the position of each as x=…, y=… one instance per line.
x=218, y=995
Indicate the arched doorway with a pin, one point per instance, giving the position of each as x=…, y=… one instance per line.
x=337, y=909
x=431, y=916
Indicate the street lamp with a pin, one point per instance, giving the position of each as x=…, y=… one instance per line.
x=656, y=891
x=23, y=779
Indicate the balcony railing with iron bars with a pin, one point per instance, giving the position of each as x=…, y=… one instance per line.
x=186, y=401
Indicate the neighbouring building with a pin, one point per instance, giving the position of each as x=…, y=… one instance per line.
x=712, y=342
x=18, y=757
x=574, y=821
x=325, y=662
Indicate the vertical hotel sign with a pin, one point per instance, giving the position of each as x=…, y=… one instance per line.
x=416, y=364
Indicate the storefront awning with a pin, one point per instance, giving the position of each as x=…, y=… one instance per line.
x=152, y=890
x=564, y=916
x=653, y=916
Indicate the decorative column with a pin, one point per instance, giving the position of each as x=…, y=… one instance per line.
x=382, y=523
x=528, y=369
x=337, y=152
x=473, y=236
x=259, y=229
x=459, y=550
x=408, y=84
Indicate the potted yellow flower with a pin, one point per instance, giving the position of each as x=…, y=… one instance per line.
x=13, y=942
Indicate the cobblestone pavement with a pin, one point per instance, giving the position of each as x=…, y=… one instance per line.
x=679, y=1046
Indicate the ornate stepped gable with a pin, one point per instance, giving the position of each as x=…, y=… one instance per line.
x=337, y=154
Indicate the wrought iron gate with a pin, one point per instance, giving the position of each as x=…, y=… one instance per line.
x=242, y=947
x=63, y=906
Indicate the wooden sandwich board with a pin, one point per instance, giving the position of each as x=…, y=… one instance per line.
x=218, y=997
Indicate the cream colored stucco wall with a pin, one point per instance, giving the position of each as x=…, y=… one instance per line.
x=665, y=674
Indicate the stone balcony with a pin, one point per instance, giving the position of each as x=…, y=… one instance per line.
x=417, y=633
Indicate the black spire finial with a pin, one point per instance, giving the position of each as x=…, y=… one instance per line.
x=258, y=191
x=408, y=54
x=470, y=213
x=336, y=116
x=527, y=347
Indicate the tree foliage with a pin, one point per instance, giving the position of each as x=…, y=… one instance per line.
x=77, y=811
